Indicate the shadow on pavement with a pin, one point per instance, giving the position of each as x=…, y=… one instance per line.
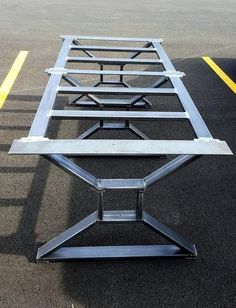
x=198, y=202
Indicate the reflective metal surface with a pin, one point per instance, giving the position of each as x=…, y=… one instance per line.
x=59, y=151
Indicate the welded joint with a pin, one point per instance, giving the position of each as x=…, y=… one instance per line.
x=33, y=138
x=56, y=70
x=140, y=205
x=206, y=139
x=174, y=73
x=100, y=205
x=187, y=115
x=120, y=184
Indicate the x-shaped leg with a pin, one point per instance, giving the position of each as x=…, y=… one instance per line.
x=55, y=249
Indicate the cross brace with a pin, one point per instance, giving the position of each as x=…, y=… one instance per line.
x=55, y=250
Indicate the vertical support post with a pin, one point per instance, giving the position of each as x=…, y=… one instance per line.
x=126, y=123
x=122, y=81
x=139, y=205
x=101, y=76
x=100, y=205
x=121, y=76
x=101, y=81
x=101, y=122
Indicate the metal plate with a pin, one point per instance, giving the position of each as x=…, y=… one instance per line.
x=119, y=147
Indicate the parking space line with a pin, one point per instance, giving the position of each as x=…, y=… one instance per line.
x=227, y=80
x=7, y=84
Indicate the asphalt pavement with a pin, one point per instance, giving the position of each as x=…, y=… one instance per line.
x=38, y=200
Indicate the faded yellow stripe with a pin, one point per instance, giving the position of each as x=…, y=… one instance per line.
x=7, y=84
x=230, y=83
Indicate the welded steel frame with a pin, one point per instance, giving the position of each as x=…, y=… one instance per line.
x=59, y=151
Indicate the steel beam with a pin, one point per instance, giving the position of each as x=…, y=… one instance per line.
x=114, y=48
x=117, y=252
x=114, y=61
x=111, y=38
x=115, y=91
x=114, y=147
x=40, y=123
x=113, y=72
x=111, y=115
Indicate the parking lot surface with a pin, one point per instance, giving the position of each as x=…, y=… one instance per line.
x=38, y=200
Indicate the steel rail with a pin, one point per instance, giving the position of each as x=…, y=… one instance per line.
x=114, y=61
x=109, y=72
x=115, y=49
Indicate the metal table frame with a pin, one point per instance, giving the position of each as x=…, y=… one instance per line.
x=59, y=151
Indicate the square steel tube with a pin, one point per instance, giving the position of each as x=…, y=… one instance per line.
x=109, y=72
x=114, y=61
x=120, y=115
x=116, y=90
x=111, y=38
x=113, y=48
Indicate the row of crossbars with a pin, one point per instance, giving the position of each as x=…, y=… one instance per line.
x=38, y=143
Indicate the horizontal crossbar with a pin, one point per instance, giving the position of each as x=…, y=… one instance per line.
x=113, y=125
x=110, y=103
x=114, y=61
x=109, y=72
x=113, y=48
x=116, y=90
x=111, y=147
x=108, y=38
x=121, y=184
x=115, y=252
x=122, y=115
x=119, y=216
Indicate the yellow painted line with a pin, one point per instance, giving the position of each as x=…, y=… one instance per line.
x=7, y=84
x=230, y=83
